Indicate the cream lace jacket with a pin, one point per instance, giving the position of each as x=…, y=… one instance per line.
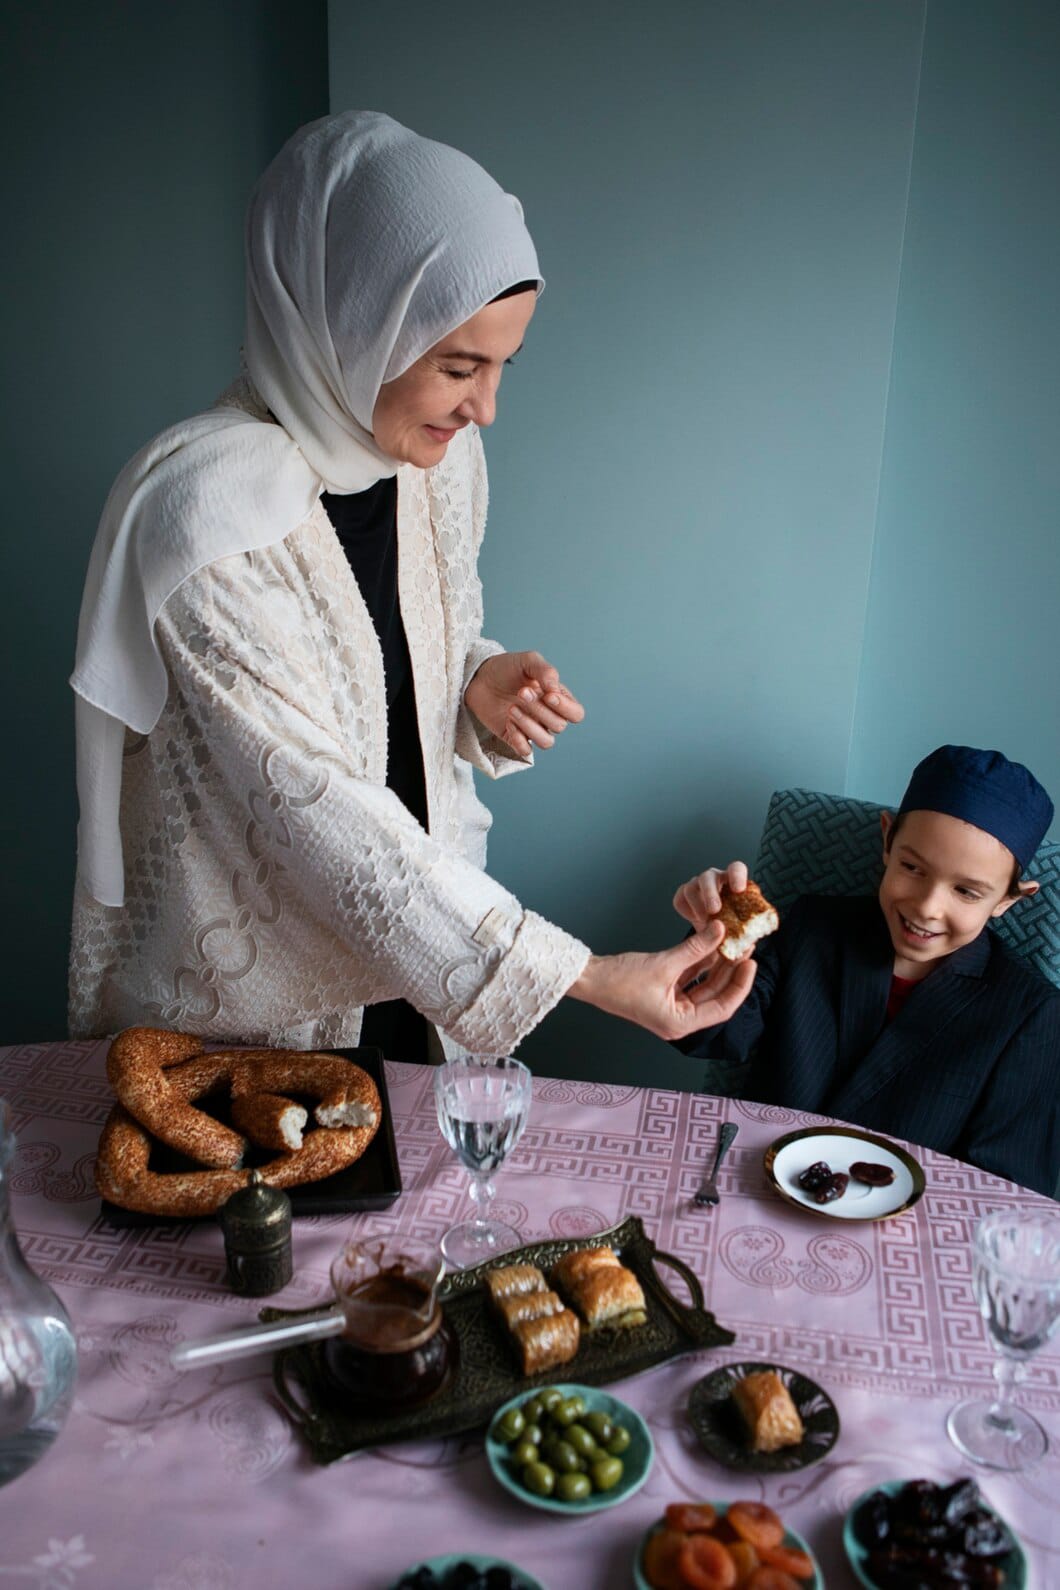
x=273, y=884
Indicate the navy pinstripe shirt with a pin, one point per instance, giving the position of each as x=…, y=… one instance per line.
x=970, y=1065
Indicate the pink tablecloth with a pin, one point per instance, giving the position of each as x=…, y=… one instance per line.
x=197, y=1481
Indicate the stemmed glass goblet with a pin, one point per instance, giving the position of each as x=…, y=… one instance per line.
x=1017, y=1285
x=482, y=1109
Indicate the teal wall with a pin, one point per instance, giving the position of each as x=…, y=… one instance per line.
x=134, y=132
x=962, y=640
x=685, y=467
x=770, y=534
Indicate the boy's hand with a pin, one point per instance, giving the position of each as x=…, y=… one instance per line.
x=699, y=900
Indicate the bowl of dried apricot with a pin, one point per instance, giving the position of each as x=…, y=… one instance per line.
x=719, y=1545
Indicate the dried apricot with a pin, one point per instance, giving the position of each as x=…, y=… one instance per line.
x=789, y=1558
x=660, y=1560
x=757, y=1523
x=746, y=1559
x=704, y=1564
x=765, y=1578
x=691, y=1517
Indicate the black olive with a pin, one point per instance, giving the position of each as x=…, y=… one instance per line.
x=498, y=1579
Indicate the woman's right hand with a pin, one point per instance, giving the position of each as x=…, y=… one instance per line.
x=699, y=900
x=662, y=991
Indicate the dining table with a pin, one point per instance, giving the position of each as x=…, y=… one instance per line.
x=164, y=1479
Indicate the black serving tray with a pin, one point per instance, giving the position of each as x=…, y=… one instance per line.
x=371, y=1182
x=487, y=1373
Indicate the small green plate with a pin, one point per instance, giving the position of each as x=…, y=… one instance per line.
x=440, y=1565
x=790, y=1539
x=637, y=1459
x=1014, y=1565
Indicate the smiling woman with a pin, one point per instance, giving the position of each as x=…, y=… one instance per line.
x=454, y=384
x=282, y=682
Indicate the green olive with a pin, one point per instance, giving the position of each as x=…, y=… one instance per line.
x=573, y=1487
x=564, y=1457
x=600, y=1426
x=539, y=1478
x=582, y=1441
x=525, y=1452
x=534, y=1433
x=533, y=1408
x=568, y=1410
x=510, y=1425
x=606, y=1473
x=550, y=1398
x=619, y=1442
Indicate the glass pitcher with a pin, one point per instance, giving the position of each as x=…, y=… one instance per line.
x=38, y=1354
x=396, y=1347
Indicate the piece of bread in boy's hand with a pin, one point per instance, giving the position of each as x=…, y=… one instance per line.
x=746, y=918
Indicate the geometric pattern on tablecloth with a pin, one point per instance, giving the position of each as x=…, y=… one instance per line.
x=814, y=843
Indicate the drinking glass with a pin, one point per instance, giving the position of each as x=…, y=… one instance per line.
x=482, y=1109
x=1017, y=1284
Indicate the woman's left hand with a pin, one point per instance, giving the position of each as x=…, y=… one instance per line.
x=519, y=697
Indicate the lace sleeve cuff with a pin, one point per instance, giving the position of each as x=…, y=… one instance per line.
x=528, y=981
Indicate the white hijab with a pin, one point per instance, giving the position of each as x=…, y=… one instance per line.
x=365, y=245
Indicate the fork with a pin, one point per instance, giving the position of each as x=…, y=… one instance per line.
x=708, y=1192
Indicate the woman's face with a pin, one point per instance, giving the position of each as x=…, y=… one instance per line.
x=416, y=417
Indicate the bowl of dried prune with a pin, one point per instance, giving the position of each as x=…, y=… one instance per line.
x=466, y=1573
x=916, y=1535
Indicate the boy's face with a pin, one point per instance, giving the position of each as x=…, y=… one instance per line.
x=945, y=879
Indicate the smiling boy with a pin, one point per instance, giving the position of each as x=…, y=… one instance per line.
x=903, y=1013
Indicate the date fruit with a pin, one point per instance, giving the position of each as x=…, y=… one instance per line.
x=815, y=1176
x=834, y=1188
x=872, y=1175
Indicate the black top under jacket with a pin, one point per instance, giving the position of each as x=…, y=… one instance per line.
x=366, y=525
x=969, y=1066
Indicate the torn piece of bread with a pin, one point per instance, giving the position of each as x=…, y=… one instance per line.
x=768, y=1411
x=746, y=918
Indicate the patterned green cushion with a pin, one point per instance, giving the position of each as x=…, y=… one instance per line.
x=830, y=844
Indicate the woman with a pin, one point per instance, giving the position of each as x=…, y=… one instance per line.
x=282, y=685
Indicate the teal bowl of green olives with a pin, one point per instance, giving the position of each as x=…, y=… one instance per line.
x=569, y=1449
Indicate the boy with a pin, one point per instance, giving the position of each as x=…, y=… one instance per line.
x=903, y=1013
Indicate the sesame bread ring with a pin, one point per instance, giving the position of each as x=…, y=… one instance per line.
x=140, y=1067
x=270, y=1120
x=123, y=1173
x=123, y=1177
x=346, y=1095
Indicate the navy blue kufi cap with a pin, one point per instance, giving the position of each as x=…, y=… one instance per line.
x=983, y=787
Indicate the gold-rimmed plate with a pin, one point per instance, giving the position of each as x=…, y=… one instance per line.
x=840, y=1147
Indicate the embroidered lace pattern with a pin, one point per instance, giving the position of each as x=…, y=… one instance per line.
x=274, y=885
